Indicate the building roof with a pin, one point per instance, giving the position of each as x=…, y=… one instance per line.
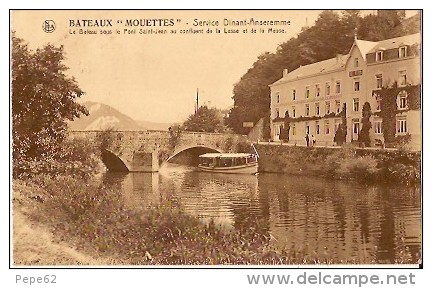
x=325, y=66
x=339, y=61
x=364, y=46
x=396, y=42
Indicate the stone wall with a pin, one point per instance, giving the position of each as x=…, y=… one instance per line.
x=297, y=160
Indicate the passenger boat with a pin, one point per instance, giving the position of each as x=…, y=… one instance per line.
x=242, y=163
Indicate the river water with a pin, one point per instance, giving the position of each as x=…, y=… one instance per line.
x=320, y=217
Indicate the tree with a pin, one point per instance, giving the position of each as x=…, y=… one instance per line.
x=284, y=133
x=366, y=125
x=43, y=98
x=252, y=93
x=341, y=132
x=205, y=120
x=351, y=19
x=386, y=24
x=340, y=135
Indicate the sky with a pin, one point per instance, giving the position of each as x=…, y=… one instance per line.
x=156, y=77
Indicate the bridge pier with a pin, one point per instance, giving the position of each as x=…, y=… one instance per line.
x=145, y=162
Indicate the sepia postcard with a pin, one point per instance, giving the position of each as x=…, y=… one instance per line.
x=216, y=138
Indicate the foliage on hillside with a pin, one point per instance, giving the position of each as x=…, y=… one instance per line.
x=332, y=34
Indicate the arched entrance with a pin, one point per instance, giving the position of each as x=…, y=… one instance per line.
x=190, y=155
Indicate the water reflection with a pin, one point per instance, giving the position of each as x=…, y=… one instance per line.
x=139, y=190
x=327, y=218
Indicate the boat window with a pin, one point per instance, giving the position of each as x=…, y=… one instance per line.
x=206, y=161
x=226, y=162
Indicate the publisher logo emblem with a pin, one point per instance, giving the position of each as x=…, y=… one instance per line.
x=48, y=26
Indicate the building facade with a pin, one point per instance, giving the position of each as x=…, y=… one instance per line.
x=319, y=98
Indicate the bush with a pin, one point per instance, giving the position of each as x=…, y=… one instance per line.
x=75, y=157
x=363, y=169
x=402, y=142
x=229, y=144
x=244, y=147
x=106, y=140
x=406, y=174
x=332, y=162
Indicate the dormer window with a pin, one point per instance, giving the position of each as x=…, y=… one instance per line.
x=277, y=98
x=379, y=56
x=403, y=51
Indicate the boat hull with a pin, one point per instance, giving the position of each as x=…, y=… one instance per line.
x=243, y=169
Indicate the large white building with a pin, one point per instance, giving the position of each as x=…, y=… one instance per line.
x=313, y=97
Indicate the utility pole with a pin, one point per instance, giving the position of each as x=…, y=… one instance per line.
x=197, y=101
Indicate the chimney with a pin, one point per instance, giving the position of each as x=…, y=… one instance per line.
x=338, y=58
x=285, y=72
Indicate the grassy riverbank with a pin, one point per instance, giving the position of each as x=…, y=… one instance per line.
x=370, y=166
x=65, y=221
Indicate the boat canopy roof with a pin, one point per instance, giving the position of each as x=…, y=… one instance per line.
x=225, y=155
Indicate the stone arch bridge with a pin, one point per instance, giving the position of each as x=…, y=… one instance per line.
x=143, y=151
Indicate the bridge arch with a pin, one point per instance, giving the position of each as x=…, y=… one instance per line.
x=113, y=162
x=201, y=149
